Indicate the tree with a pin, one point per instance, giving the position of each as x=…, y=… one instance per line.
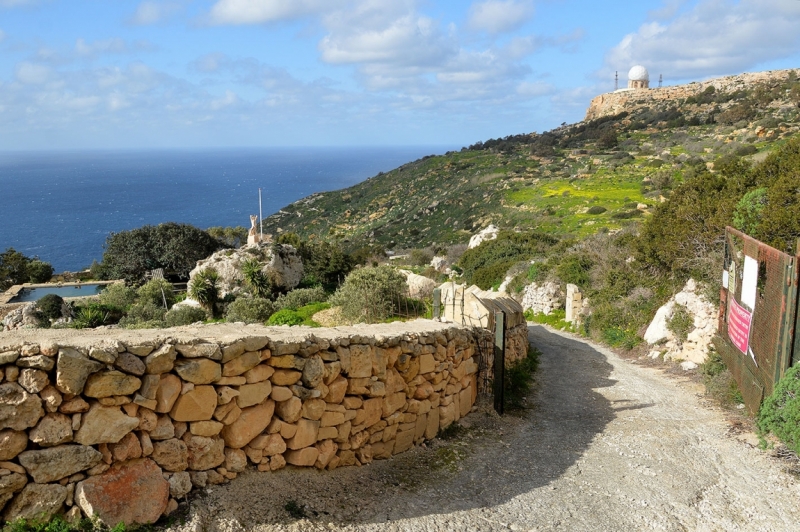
x=16, y=268
x=608, y=140
x=234, y=237
x=172, y=246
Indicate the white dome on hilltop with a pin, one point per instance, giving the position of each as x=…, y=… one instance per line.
x=638, y=73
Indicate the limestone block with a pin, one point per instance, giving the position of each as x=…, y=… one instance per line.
x=331, y=419
x=313, y=409
x=109, y=496
x=271, y=444
x=346, y=458
x=180, y=484
x=343, y=432
x=277, y=462
x=447, y=414
x=352, y=403
x=72, y=370
x=161, y=360
x=104, y=424
x=327, y=433
x=164, y=429
x=373, y=410
x=130, y=363
x=289, y=410
x=197, y=405
x=427, y=364
x=253, y=394
x=280, y=394
x=111, y=383
x=204, y=453
x=327, y=450
x=360, y=361
x=391, y=403
x=12, y=443
x=422, y=425
x=287, y=362
x=172, y=455
x=250, y=424
x=285, y=377
x=49, y=465
x=33, y=380
x=302, y=457
x=432, y=427
x=465, y=401
x=12, y=483
x=404, y=441
x=306, y=435
x=36, y=500
x=235, y=460
x=313, y=371
x=141, y=350
x=128, y=448
x=52, y=429
x=260, y=373
x=200, y=350
x=331, y=372
x=226, y=394
x=336, y=390
x=241, y=364
x=36, y=362
x=169, y=389
x=205, y=428
x=52, y=398
x=19, y=409
x=382, y=450
x=358, y=439
x=198, y=370
x=146, y=443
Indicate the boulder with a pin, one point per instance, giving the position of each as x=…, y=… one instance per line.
x=19, y=410
x=111, y=383
x=253, y=394
x=235, y=460
x=12, y=443
x=104, y=424
x=281, y=264
x=201, y=350
x=130, y=363
x=419, y=286
x=250, y=424
x=36, y=362
x=161, y=360
x=128, y=448
x=36, y=501
x=543, y=298
x=204, y=453
x=111, y=498
x=33, y=380
x=241, y=364
x=196, y=405
x=50, y=465
x=53, y=429
x=307, y=432
x=72, y=370
x=313, y=372
x=169, y=389
x=302, y=457
x=180, y=484
x=490, y=233
x=172, y=455
x=198, y=370
x=289, y=410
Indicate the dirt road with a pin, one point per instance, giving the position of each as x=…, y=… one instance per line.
x=607, y=445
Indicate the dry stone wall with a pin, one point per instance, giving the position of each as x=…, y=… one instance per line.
x=87, y=415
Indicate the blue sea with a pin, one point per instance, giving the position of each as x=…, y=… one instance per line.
x=61, y=206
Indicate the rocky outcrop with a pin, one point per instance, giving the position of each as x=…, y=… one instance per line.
x=694, y=349
x=419, y=286
x=24, y=317
x=280, y=263
x=490, y=233
x=543, y=298
x=100, y=441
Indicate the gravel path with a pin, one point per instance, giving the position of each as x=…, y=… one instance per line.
x=606, y=445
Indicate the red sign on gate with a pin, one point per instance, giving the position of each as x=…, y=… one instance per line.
x=739, y=326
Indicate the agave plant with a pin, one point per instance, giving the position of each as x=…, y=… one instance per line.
x=204, y=288
x=260, y=284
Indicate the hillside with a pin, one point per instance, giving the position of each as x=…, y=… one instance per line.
x=575, y=180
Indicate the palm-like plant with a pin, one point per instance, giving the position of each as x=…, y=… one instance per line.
x=204, y=288
x=256, y=279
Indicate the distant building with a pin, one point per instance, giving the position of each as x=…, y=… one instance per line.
x=638, y=78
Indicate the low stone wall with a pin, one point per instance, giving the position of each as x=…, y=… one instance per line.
x=87, y=415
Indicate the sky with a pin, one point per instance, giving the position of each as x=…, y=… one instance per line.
x=140, y=74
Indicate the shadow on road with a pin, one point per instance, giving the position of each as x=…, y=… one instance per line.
x=511, y=456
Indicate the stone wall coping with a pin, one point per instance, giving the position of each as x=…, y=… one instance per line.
x=222, y=333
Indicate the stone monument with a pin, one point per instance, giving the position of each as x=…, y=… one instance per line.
x=253, y=236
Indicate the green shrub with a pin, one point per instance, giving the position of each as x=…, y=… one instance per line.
x=555, y=319
x=51, y=306
x=616, y=337
x=574, y=269
x=184, y=315
x=719, y=382
x=370, y=294
x=597, y=209
x=491, y=276
x=518, y=379
x=250, y=310
x=780, y=412
x=507, y=249
x=681, y=322
x=285, y=317
x=259, y=282
x=144, y=314
x=749, y=209
x=90, y=316
x=300, y=297
x=420, y=257
x=156, y=291
x=118, y=295
x=39, y=271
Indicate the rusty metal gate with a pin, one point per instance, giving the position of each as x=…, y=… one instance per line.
x=758, y=315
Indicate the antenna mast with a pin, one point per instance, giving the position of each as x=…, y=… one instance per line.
x=660, y=80
x=260, y=218
x=616, y=80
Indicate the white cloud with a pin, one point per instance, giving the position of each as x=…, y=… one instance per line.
x=716, y=37
x=499, y=16
x=32, y=73
x=263, y=11
x=114, y=45
x=668, y=9
x=150, y=12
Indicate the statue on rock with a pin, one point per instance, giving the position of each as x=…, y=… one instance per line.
x=253, y=236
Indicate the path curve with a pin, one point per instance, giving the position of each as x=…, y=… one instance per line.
x=607, y=445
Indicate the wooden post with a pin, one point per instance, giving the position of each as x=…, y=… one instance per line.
x=437, y=303
x=499, y=361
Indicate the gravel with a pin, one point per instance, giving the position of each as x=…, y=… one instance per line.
x=605, y=445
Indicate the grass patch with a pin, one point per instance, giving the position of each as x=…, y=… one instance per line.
x=555, y=319
x=719, y=381
x=519, y=379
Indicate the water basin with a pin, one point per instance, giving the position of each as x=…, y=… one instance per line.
x=35, y=293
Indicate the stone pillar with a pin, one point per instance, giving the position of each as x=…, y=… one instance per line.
x=574, y=298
